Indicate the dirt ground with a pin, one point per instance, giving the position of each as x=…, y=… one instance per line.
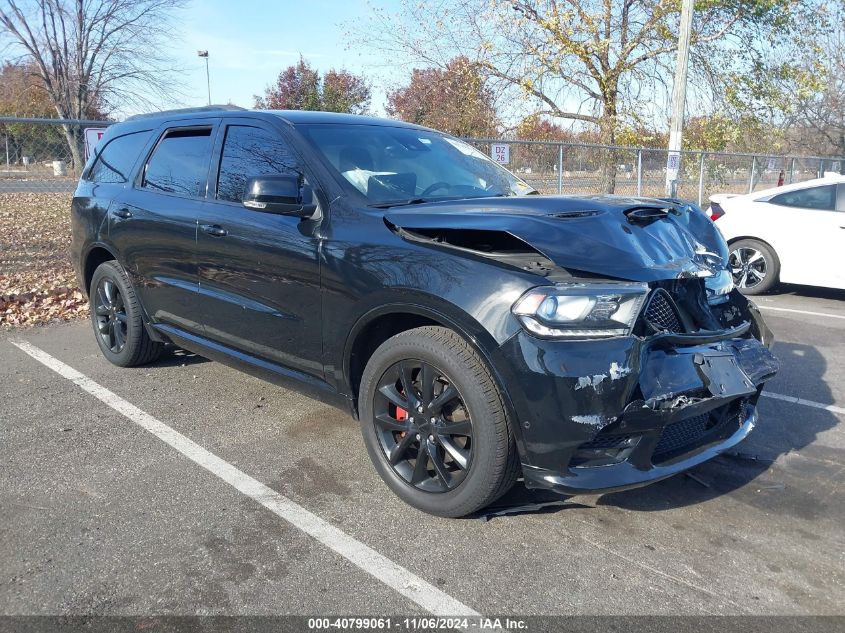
x=37, y=284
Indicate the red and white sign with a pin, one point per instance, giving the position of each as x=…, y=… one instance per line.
x=501, y=153
x=92, y=137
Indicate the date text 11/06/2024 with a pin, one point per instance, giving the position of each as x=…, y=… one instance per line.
x=418, y=624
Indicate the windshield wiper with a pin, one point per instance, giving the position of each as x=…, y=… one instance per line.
x=399, y=203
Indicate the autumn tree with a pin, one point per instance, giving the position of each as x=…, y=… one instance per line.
x=91, y=54
x=595, y=62
x=540, y=128
x=454, y=99
x=345, y=92
x=300, y=87
x=22, y=94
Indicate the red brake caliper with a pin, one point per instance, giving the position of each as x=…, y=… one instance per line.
x=401, y=415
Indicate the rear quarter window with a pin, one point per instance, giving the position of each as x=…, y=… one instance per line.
x=822, y=198
x=115, y=160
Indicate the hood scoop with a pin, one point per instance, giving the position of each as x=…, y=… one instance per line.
x=646, y=215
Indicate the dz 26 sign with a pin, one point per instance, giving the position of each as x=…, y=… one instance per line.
x=501, y=153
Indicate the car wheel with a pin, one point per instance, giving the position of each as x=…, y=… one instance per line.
x=116, y=318
x=434, y=423
x=754, y=266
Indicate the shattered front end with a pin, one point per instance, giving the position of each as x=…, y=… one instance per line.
x=604, y=412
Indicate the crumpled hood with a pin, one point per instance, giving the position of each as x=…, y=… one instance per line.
x=595, y=234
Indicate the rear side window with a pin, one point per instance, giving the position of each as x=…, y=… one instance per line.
x=249, y=152
x=822, y=198
x=115, y=160
x=179, y=163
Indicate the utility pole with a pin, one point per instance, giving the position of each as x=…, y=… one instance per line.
x=679, y=94
x=207, y=76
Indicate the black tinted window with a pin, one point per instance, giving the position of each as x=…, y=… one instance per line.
x=249, y=152
x=115, y=160
x=823, y=198
x=179, y=163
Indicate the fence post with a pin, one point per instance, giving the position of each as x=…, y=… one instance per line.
x=6, y=136
x=751, y=179
x=791, y=170
x=560, y=169
x=639, y=172
x=701, y=179
x=821, y=168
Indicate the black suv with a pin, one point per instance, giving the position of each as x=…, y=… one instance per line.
x=479, y=332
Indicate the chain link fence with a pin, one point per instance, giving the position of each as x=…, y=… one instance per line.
x=44, y=155
x=47, y=155
x=583, y=168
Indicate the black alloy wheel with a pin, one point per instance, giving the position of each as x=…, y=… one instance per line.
x=110, y=315
x=423, y=426
x=117, y=318
x=435, y=424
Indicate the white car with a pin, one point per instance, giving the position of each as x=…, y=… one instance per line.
x=793, y=233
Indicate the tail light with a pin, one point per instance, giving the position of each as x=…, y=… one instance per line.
x=716, y=211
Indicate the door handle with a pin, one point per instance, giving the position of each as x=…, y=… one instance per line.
x=122, y=213
x=214, y=230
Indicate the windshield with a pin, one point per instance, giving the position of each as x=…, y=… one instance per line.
x=393, y=165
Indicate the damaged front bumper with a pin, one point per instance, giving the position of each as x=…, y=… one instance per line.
x=612, y=414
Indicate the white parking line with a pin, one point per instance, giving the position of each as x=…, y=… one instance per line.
x=821, y=314
x=364, y=557
x=806, y=403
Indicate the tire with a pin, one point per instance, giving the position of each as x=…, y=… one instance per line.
x=473, y=459
x=748, y=259
x=117, y=318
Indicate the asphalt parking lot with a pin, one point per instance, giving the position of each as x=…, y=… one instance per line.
x=98, y=515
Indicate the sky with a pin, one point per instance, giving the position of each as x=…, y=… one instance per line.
x=250, y=42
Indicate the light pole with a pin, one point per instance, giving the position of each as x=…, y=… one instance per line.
x=679, y=94
x=207, y=76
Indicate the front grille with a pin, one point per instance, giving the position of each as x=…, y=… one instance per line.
x=686, y=435
x=660, y=312
x=606, y=441
x=682, y=434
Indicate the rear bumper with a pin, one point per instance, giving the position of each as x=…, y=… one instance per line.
x=612, y=414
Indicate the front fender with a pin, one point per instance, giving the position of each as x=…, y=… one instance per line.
x=439, y=311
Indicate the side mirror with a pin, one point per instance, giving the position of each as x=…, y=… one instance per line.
x=282, y=195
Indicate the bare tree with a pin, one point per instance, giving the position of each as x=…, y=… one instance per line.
x=92, y=55
x=820, y=118
x=596, y=62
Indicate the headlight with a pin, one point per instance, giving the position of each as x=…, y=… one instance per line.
x=719, y=286
x=581, y=310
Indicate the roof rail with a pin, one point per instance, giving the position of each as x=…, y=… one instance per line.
x=228, y=107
